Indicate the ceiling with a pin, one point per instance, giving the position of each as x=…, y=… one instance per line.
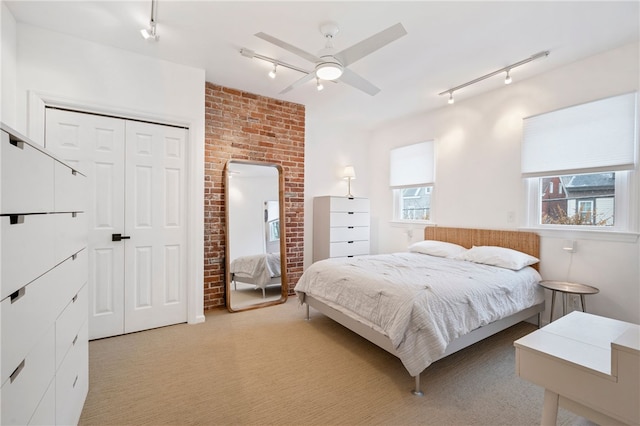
x=448, y=43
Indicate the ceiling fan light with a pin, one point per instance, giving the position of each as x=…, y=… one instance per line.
x=328, y=71
x=319, y=85
x=272, y=73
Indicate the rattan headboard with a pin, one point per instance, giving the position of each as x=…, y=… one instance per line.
x=526, y=242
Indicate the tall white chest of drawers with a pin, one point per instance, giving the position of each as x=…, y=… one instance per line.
x=340, y=227
x=44, y=350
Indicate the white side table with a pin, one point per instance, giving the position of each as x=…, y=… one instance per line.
x=567, y=288
x=587, y=364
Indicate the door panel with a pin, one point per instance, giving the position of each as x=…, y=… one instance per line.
x=136, y=175
x=155, y=169
x=96, y=145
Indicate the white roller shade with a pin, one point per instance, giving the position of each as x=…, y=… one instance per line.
x=412, y=165
x=589, y=138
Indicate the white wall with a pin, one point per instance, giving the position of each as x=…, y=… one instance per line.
x=478, y=179
x=328, y=148
x=95, y=77
x=8, y=58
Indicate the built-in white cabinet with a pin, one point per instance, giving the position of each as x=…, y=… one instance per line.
x=44, y=356
x=340, y=227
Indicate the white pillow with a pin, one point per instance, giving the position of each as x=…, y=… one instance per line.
x=437, y=248
x=498, y=256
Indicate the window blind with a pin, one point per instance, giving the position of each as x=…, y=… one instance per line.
x=412, y=165
x=594, y=137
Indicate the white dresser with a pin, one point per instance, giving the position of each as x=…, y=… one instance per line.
x=44, y=356
x=340, y=227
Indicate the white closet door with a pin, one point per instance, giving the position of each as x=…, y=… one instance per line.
x=96, y=145
x=136, y=173
x=155, y=293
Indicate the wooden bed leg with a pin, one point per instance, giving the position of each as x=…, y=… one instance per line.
x=417, y=390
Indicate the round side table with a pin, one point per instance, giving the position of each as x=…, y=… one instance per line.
x=567, y=288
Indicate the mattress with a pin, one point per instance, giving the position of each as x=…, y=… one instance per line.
x=420, y=302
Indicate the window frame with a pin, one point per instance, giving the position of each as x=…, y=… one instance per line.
x=625, y=226
x=396, y=216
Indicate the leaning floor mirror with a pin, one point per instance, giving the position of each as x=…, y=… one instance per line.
x=255, y=258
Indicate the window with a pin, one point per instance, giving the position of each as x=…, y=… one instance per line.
x=411, y=179
x=579, y=163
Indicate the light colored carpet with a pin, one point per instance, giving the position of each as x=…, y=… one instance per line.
x=271, y=367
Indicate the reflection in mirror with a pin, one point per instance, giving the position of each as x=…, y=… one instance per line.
x=255, y=255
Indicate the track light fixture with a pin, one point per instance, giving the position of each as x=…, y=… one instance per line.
x=508, y=79
x=506, y=69
x=319, y=85
x=272, y=73
x=150, y=33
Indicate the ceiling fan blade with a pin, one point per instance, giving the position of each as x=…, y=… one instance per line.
x=360, y=50
x=352, y=79
x=297, y=83
x=286, y=46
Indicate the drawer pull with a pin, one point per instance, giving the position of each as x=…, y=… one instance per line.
x=350, y=255
x=350, y=227
x=17, y=295
x=75, y=339
x=74, y=172
x=16, y=219
x=75, y=381
x=74, y=214
x=349, y=242
x=74, y=298
x=74, y=256
x=17, y=371
x=18, y=144
x=349, y=212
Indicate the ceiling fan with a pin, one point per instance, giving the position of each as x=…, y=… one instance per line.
x=331, y=65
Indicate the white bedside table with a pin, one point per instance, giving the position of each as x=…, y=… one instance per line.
x=587, y=364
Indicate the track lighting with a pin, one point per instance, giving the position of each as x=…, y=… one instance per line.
x=272, y=73
x=319, y=85
x=150, y=33
x=451, y=100
x=507, y=80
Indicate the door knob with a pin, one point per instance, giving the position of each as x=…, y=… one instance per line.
x=119, y=237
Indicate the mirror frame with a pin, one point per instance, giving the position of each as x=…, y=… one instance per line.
x=283, y=253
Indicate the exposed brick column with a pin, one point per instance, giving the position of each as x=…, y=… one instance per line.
x=244, y=126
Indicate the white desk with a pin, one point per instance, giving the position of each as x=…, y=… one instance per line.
x=587, y=364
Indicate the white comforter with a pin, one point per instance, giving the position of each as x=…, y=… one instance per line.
x=260, y=267
x=419, y=301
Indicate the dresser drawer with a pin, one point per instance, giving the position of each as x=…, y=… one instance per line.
x=22, y=393
x=349, y=219
x=25, y=319
x=26, y=178
x=72, y=381
x=71, y=234
x=69, y=323
x=344, y=249
x=345, y=204
x=73, y=273
x=45, y=414
x=27, y=249
x=69, y=189
x=349, y=233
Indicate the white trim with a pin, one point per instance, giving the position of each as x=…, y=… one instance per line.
x=38, y=101
x=571, y=233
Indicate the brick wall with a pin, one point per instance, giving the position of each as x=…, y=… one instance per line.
x=244, y=126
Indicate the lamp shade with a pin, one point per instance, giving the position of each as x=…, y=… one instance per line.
x=329, y=71
x=349, y=172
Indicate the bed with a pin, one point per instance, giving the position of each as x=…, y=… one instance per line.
x=390, y=299
x=260, y=270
